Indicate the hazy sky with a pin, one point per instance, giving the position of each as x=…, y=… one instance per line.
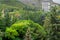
x=57, y=1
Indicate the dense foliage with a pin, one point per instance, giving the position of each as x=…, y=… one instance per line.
x=21, y=27
x=22, y=22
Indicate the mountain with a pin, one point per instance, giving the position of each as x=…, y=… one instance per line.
x=26, y=4
x=33, y=3
x=14, y=3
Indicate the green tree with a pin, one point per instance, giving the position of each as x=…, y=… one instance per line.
x=22, y=27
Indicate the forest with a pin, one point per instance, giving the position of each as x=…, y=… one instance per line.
x=23, y=22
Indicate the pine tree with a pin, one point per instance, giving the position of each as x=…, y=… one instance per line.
x=48, y=27
x=56, y=24
x=51, y=25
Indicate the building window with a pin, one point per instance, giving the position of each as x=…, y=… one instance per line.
x=45, y=6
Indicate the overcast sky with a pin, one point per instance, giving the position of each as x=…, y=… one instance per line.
x=57, y=1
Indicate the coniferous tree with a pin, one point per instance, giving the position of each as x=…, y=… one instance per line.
x=48, y=27
x=51, y=25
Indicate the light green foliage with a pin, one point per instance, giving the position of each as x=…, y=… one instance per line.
x=11, y=33
x=22, y=26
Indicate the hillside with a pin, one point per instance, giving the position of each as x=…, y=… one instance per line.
x=34, y=3
x=13, y=3
x=17, y=3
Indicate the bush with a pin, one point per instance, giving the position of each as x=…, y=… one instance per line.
x=11, y=33
x=22, y=26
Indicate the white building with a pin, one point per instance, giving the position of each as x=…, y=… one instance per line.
x=46, y=4
x=42, y=4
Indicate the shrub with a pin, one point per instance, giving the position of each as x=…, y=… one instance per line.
x=22, y=26
x=11, y=33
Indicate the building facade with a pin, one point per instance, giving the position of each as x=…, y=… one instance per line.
x=46, y=4
x=42, y=4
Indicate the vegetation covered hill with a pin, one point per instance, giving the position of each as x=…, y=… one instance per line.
x=16, y=3
x=12, y=3
x=22, y=22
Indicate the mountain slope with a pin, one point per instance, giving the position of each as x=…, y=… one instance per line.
x=12, y=3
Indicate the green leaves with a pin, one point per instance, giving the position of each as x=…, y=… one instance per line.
x=11, y=33
x=0, y=38
x=20, y=28
x=35, y=16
